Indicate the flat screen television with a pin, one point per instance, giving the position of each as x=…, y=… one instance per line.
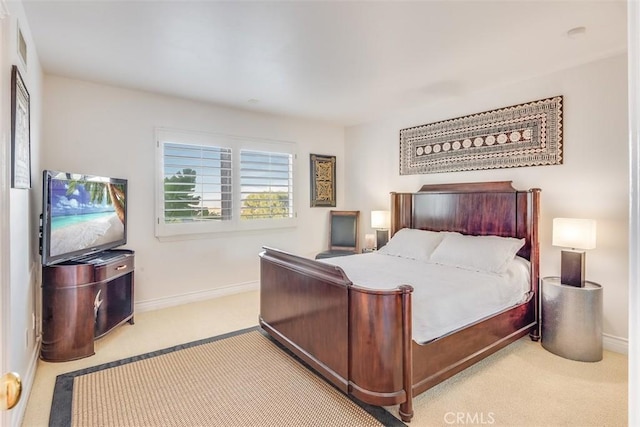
x=81, y=215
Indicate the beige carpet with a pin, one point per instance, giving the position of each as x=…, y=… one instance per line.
x=525, y=385
x=241, y=380
x=521, y=385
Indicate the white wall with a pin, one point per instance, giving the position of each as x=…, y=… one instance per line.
x=104, y=130
x=592, y=182
x=20, y=240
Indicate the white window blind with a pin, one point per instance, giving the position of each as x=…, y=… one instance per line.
x=210, y=183
x=197, y=183
x=266, y=185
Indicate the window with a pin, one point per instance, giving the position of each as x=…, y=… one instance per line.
x=210, y=183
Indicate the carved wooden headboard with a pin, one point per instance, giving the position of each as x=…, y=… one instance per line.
x=481, y=208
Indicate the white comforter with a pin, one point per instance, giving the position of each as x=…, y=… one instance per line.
x=444, y=298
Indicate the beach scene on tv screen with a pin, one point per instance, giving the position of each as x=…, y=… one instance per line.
x=85, y=215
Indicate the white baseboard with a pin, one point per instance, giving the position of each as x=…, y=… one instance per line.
x=175, y=300
x=615, y=344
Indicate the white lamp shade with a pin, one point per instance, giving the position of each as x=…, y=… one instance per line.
x=574, y=233
x=381, y=219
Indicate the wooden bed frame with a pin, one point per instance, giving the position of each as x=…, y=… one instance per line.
x=360, y=339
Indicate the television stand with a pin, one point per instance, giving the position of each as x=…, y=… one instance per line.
x=83, y=300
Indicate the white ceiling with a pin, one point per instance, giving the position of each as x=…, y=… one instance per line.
x=342, y=62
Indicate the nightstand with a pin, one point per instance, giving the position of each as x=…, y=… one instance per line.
x=572, y=320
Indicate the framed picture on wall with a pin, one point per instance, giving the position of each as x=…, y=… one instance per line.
x=20, y=132
x=323, y=180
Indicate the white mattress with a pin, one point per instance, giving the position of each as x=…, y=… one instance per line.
x=444, y=298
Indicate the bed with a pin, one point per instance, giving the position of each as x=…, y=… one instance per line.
x=361, y=338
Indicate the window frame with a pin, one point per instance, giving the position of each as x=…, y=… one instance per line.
x=236, y=144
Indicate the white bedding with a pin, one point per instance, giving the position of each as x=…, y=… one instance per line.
x=444, y=298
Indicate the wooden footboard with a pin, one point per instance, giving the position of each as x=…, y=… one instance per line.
x=304, y=305
x=380, y=357
x=358, y=339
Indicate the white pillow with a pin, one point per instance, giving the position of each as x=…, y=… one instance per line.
x=413, y=244
x=479, y=253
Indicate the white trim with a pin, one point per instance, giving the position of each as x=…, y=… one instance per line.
x=615, y=344
x=633, y=53
x=172, y=301
x=5, y=278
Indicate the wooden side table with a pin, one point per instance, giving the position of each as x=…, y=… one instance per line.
x=572, y=320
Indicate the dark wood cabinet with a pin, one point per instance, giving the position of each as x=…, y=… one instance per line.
x=84, y=299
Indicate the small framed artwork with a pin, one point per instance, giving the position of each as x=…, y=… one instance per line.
x=323, y=180
x=20, y=132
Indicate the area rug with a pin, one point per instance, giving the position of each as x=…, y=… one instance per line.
x=239, y=379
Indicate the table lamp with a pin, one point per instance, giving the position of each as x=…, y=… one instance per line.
x=381, y=222
x=577, y=234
